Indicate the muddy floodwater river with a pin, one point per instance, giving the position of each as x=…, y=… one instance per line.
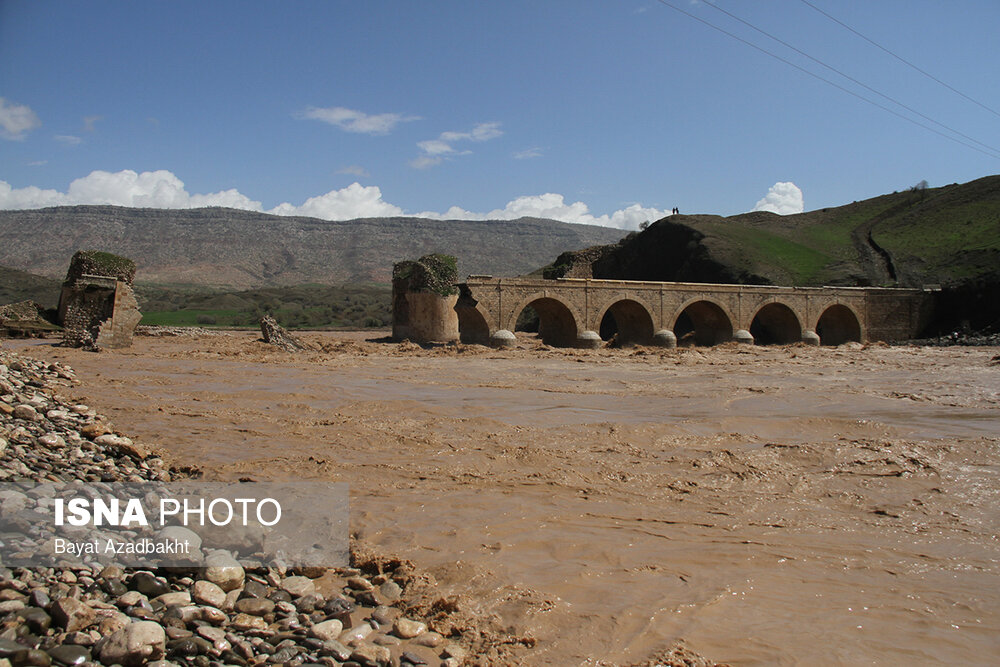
x=779, y=505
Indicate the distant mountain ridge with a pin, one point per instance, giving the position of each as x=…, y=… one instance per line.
x=245, y=249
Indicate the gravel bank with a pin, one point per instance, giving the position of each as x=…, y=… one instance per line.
x=219, y=615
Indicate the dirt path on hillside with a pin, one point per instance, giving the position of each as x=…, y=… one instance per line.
x=767, y=505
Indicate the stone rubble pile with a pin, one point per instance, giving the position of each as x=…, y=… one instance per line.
x=274, y=334
x=220, y=615
x=969, y=339
x=157, y=331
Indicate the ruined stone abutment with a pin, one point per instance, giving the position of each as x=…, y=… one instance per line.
x=472, y=325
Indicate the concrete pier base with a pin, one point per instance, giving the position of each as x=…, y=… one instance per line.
x=589, y=340
x=665, y=338
x=503, y=339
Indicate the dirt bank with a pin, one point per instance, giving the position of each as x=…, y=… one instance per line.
x=767, y=505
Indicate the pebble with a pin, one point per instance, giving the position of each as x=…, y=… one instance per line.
x=327, y=630
x=411, y=658
x=25, y=412
x=174, y=599
x=408, y=629
x=384, y=615
x=70, y=655
x=360, y=584
x=149, y=585
x=72, y=615
x=205, y=592
x=255, y=606
x=223, y=570
x=371, y=655
x=134, y=644
x=390, y=590
x=298, y=586
x=429, y=639
x=355, y=634
x=248, y=622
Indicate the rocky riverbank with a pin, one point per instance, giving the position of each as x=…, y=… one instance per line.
x=358, y=616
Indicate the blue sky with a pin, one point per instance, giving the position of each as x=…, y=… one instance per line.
x=606, y=112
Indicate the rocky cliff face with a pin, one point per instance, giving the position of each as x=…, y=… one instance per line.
x=667, y=251
x=226, y=247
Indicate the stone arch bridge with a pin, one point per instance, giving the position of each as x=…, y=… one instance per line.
x=583, y=312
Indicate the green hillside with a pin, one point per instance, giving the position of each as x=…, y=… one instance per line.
x=23, y=286
x=944, y=235
x=299, y=306
x=948, y=236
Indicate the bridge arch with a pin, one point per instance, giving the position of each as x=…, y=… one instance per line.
x=628, y=319
x=839, y=324
x=776, y=324
x=557, y=321
x=703, y=322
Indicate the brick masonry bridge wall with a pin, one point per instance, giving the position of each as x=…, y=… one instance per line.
x=583, y=313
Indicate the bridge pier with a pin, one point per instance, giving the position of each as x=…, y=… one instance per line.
x=665, y=338
x=589, y=340
x=503, y=338
x=810, y=338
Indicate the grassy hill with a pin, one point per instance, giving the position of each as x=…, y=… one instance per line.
x=298, y=306
x=23, y=286
x=948, y=235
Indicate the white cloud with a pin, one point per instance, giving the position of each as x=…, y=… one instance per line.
x=528, y=153
x=553, y=206
x=16, y=120
x=354, y=170
x=90, y=122
x=435, y=147
x=162, y=189
x=29, y=197
x=354, y=201
x=434, y=151
x=68, y=139
x=425, y=161
x=784, y=198
x=357, y=121
x=152, y=189
x=481, y=132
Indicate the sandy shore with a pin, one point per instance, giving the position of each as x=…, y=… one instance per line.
x=766, y=505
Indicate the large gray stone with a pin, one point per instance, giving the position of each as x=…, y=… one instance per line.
x=134, y=645
x=503, y=339
x=72, y=615
x=223, y=570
